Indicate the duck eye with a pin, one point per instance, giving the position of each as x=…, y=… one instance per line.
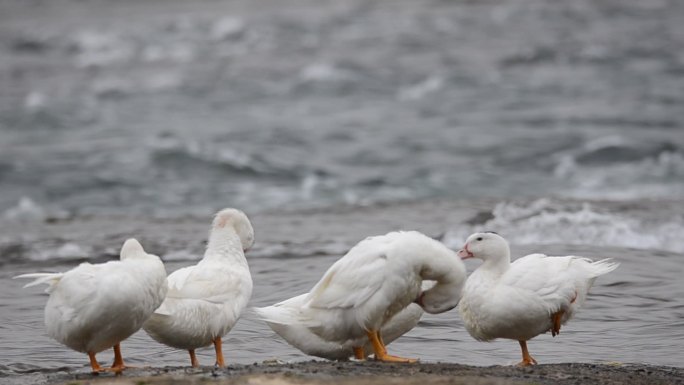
x=479, y=239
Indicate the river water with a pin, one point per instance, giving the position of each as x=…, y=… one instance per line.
x=556, y=124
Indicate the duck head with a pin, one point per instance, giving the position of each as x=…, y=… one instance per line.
x=441, y=297
x=236, y=220
x=487, y=246
x=133, y=249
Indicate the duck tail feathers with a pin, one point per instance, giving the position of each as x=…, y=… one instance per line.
x=283, y=315
x=50, y=279
x=603, y=266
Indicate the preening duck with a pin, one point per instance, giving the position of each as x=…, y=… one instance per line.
x=373, y=282
x=302, y=338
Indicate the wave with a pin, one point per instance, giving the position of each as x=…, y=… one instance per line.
x=28, y=211
x=658, y=176
x=49, y=110
x=100, y=48
x=193, y=156
x=615, y=149
x=547, y=221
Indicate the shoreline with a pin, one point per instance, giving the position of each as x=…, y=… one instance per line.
x=631, y=318
x=371, y=373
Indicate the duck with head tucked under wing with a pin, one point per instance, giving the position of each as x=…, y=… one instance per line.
x=373, y=282
x=302, y=338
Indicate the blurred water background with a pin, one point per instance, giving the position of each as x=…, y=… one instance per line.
x=558, y=124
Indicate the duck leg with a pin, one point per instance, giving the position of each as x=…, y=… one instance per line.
x=359, y=353
x=557, y=317
x=118, y=365
x=527, y=358
x=219, y=353
x=193, y=359
x=381, y=351
x=556, y=320
x=94, y=364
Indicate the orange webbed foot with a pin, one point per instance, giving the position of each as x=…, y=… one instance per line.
x=527, y=362
x=527, y=359
x=381, y=351
x=391, y=358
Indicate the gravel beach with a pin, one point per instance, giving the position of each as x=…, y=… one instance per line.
x=318, y=372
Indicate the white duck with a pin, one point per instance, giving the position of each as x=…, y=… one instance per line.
x=94, y=307
x=520, y=300
x=302, y=338
x=374, y=281
x=204, y=301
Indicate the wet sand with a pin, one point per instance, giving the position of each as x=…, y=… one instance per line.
x=319, y=372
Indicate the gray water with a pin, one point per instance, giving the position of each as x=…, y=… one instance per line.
x=557, y=124
x=633, y=315
x=166, y=107
x=625, y=320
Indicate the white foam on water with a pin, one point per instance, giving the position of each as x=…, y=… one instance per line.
x=35, y=101
x=656, y=175
x=26, y=210
x=162, y=81
x=417, y=91
x=98, y=49
x=323, y=72
x=71, y=250
x=227, y=28
x=175, y=52
x=546, y=221
x=55, y=252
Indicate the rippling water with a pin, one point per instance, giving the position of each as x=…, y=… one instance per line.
x=557, y=124
x=120, y=106
x=633, y=315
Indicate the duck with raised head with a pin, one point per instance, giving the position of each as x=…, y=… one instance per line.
x=373, y=282
x=520, y=300
x=94, y=307
x=204, y=301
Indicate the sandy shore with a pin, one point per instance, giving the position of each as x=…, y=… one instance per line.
x=317, y=372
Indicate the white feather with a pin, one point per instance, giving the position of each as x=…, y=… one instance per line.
x=51, y=279
x=95, y=306
x=373, y=282
x=205, y=301
x=281, y=319
x=516, y=300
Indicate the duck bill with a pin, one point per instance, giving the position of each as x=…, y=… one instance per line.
x=464, y=253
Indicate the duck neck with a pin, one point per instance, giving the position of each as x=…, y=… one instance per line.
x=497, y=266
x=225, y=244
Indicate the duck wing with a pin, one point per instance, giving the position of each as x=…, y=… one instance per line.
x=353, y=279
x=553, y=280
x=209, y=283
